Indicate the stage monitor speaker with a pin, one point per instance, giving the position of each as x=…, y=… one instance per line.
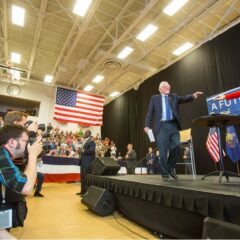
x=99, y=200
x=105, y=166
x=216, y=229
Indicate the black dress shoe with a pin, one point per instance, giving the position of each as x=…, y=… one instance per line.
x=83, y=194
x=38, y=194
x=173, y=175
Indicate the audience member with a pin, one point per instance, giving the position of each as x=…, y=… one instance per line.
x=49, y=127
x=150, y=161
x=187, y=160
x=131, y=159
x=157, y=163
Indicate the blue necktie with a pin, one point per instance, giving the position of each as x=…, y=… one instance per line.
x=168, y=109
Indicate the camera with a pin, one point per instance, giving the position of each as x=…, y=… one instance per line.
x=45, y=135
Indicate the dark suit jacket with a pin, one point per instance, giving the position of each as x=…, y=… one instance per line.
x=132, y=156
x=88, y=153
x=154, y=114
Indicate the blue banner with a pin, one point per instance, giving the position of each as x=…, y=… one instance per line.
x=224, y=106
x=228, y=107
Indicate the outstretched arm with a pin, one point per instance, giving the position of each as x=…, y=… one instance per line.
x=188, y=98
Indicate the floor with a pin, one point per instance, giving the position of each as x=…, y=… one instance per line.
x=60, y=215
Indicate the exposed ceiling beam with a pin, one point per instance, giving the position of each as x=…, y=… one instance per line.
x=5, y=32
x=181, y=26
x=98, y=44
x=222, y=18
x=37, y=34
x=64, y=58
x=235, y=22
x=148, y=7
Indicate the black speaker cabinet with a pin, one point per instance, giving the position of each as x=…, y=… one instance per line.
x=105, y=166
x=216, y=229
x=99, y=200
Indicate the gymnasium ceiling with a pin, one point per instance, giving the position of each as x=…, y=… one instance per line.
x=75, y=49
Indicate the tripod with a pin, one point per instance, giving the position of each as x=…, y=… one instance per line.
x=220, y=122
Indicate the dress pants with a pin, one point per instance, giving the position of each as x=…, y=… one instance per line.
x=131, y=164
x=85, y=169
x=168, y=142
x=40, y=179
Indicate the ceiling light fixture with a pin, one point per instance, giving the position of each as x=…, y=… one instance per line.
x=98, y=78
x=18, y=15
x=183, y=48
x=15, y=57
x=147, y=32
x=88, y=88
x=81, y=7
x=125, y=52
x=174, y=6
x=48, y=78
x=114, y=94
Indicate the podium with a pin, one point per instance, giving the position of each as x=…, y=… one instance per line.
x=220, y=121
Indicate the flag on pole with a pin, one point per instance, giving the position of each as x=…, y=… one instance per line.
x=232, y=144
x=78, y=107
x=212, y=144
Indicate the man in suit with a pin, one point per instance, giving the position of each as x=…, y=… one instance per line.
x=131, y=158
x=87, y=156
x=164, y=114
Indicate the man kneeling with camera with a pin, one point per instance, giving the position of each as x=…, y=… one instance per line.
x=14, y=183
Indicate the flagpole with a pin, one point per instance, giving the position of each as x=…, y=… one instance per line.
x=215, y=166
x=237, y=167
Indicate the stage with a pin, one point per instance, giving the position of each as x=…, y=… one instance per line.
x=175, y=209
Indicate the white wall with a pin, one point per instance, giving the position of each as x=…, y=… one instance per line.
x=46, y=96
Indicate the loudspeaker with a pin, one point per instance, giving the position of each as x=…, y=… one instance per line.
x=99, y=200
x=216, y=229
x=105, y=166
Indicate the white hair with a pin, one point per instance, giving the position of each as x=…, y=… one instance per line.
x=163, y=83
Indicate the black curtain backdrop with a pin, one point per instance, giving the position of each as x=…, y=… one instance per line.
x=212, y=68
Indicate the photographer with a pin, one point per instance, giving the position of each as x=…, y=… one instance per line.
x=20, y=118
x=13, y=142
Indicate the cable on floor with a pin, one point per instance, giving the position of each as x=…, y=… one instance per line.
x=128, y=227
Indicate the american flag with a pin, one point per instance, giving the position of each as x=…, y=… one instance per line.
x=78, y=107
x=212, y=144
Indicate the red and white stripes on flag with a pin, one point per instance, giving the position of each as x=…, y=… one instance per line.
x=212, y=144
x=78, y=107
